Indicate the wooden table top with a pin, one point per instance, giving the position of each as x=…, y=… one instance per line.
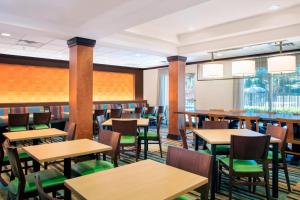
x=230, y=114
x=145, y=180
x=34, y=134
x=67, y=149
x=222, y=136
x=140, y=122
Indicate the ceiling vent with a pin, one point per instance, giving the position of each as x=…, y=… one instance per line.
x=29, y=43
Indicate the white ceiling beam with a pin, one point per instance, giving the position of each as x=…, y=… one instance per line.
x=130, y=41
x=258, y=23
x=271, y=35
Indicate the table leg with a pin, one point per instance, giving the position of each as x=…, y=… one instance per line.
x=214, y=172
x=145, y=142
x=275, y=171
x=196, y=142
x=36, y=165
x=67, y=174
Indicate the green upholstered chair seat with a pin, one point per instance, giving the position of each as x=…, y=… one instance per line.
x=183, y=197
x=220, y=149
x=22, y=155
x=49, y=178
x=150, y=134
x=40, y=126
x=270, y=155
x=127, y=139
x=246, y=166
x=206, y=151
x=91, y=166
x=17, y=128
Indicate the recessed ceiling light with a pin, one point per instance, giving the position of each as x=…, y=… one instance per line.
x=137, y=55
x=274, y=7
x=5, y=34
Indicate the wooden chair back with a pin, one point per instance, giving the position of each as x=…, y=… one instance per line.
x=42, y=194
x=249, y=148
x=290, y=128
x=279, y=133
x=215, y=125
x=248, y=121
x=138, y=110
x=18, y=119
x=115, y=113
x=111, y=139
x=131, y=115
x=42, y=118
x=191, y=161
x=150, y=110
x=216, y=117
x=99, y=112
x=70, y=128
x=183, y=138
x=17, y=171
x=125, y=127
x=161, y=110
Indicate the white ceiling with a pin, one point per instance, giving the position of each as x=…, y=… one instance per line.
x=143, y=33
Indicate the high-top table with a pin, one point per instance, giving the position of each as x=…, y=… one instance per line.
x=34, y=135
x=147, y=180
x=65, y=150
x=141, y=122
x=222, y=136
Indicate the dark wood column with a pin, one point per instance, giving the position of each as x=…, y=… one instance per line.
x=81, y=85
x=176, y=94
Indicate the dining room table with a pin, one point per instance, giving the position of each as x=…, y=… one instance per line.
x=65, y=150
x=216, y=137
x=146, y=179
x=141, y=123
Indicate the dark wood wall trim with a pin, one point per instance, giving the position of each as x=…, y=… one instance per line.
x=32, y=61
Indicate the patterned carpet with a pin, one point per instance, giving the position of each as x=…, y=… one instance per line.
x=240, y=193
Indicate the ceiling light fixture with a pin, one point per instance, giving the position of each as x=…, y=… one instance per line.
x=282, y=63
x=5, y=34
x=242, y=68
x=212, y=70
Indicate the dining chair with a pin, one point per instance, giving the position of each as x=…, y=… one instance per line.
x=194, y=162
x=42, y=194
x=247, y=159
x=216, y=117
x=18, y=122
x=128, y=130
x=220, y=149
x=115, y=113
x=249, y=122
x=138, y=110
x=23, y=186
x=98, y=113
x=150, y=113
x=24, y=158
x=41, y=120
x=152, y=136
x=279, y=133
x=70, y=128
x=91, y=166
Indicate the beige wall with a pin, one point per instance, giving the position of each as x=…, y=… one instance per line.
x=151, y=86
x=209, y=94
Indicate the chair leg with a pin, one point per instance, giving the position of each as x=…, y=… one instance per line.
x=26, y=167
x=230, y=187
x=267, y=187
x=160, y=149
x=136, y=152
x=250, y=181
x=219, y=177
x=286, y=173
x=204, y=192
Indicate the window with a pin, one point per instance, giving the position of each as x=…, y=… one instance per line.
x=190, y=91
x=272, y=92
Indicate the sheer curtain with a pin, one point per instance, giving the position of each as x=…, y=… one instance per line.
x=163, y=87
x=238, y=94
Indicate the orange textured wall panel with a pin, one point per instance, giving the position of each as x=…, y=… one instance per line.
x=21, y=84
